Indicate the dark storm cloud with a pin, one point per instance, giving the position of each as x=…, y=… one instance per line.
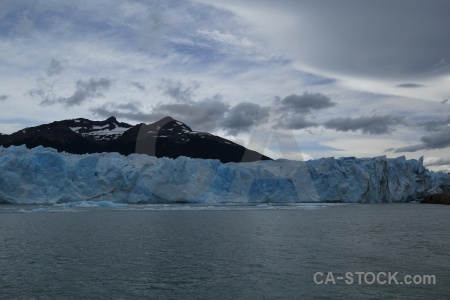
x=437, y=140
x=130, y=110
x=368, y=125
x=303, y=104
x=435, y=125
x=410, y=85
x=106, y=112
x=55, y=68
x=444, y=101
x=294, y=108
x=3, y=97
x=244, y=116
x=214, y=113
x=203, y=115
x=84, y=91
x=206, y=115
x=383, y=39
x=295, y=122
x=177, y=90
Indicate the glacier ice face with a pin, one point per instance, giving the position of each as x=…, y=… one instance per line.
x=42, y=175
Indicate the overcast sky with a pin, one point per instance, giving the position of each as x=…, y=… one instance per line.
x=294, y=78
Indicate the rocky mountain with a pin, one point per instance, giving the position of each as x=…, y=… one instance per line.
x=441, y=198
x=164, y=138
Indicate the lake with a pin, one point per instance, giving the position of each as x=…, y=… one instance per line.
x=224, y=251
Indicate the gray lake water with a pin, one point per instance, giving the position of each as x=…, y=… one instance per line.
x=222, y=252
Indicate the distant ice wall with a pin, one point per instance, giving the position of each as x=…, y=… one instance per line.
x=42, y=175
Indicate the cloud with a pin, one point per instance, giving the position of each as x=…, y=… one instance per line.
x=3, y=97
x=294, y=107
x=84, y=91
x=435, y=125
x=244, y=116
x=24, y=24
x=138, y=85
x=177, y=90
x=437, y=140
x=130, y=105
x=138, y=116
x=294, y=122
x=444, y=101
x=383, y=39
x=410, y=85
x=304, y=104
x=46, y=96
x=376, y=55
x=224, y=51
x=436, y=161
x=55, y=68
x=205, y=115
x=226, y=38
x=443, y=168
x=232, y=45
x=130, y=110
x=374, y=125
x=443, y=61
x=299, y=123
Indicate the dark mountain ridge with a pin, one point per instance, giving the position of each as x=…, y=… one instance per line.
x=164, y=138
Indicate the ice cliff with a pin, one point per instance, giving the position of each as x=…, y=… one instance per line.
x=42, y=175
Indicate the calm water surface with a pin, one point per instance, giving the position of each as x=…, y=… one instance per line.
x=221, y=252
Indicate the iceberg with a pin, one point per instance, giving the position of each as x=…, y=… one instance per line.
x=45, y=176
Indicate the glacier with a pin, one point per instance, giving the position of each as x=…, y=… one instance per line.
x=45, y=176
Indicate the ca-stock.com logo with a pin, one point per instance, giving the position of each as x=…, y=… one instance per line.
x=369, y=278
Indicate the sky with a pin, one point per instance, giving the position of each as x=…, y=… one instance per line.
x=297, y=79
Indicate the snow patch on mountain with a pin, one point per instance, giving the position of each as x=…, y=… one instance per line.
x=109, y=131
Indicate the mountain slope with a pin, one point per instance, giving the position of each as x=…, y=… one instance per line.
x=164, y=138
